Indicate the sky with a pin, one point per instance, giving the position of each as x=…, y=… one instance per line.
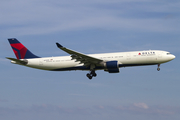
x=95, y=26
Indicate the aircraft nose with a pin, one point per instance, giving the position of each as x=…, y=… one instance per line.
x=173, y=56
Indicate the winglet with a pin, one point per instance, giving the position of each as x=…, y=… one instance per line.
x=58, y=45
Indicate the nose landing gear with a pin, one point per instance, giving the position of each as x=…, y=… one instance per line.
x=158, y=69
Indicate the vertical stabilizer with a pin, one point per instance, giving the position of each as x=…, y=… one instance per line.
x=20, y=50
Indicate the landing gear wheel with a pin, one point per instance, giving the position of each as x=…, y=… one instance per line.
x=89, y=76
x=93, y=73
x=158, y=69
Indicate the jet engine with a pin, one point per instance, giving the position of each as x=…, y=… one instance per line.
x=111, y=66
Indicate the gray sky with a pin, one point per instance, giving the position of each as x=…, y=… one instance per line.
x=94, y=26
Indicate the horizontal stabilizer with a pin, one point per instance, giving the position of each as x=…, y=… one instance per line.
x=17, y=61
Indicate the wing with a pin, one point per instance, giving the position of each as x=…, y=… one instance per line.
x=82, y=58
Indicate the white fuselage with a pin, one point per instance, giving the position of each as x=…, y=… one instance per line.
x=135, y=58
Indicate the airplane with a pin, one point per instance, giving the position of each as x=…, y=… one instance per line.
x=109, y=62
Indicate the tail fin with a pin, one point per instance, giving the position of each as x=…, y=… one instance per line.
x=20, y=50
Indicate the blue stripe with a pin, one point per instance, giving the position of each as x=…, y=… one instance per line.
x=99, y=67
x=130, y=65
x=30, y=55
x=19, y=54
x=13, y=40
x=77, y=68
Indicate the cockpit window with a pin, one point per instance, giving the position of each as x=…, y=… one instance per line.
x=168, y=53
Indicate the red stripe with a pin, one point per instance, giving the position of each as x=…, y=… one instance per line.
x=23, y=52
x=21, y=48
x=18, y=46
x=16, y=53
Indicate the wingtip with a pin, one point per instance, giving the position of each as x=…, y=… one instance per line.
x=58, y=45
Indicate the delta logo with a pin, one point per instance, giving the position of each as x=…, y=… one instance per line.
x=147, y=53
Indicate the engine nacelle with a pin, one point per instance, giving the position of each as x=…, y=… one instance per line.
x=111, y=67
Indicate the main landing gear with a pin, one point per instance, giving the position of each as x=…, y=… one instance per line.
x=91, y=74
x=158, y=69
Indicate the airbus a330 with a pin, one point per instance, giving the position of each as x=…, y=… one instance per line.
x=109, y=62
